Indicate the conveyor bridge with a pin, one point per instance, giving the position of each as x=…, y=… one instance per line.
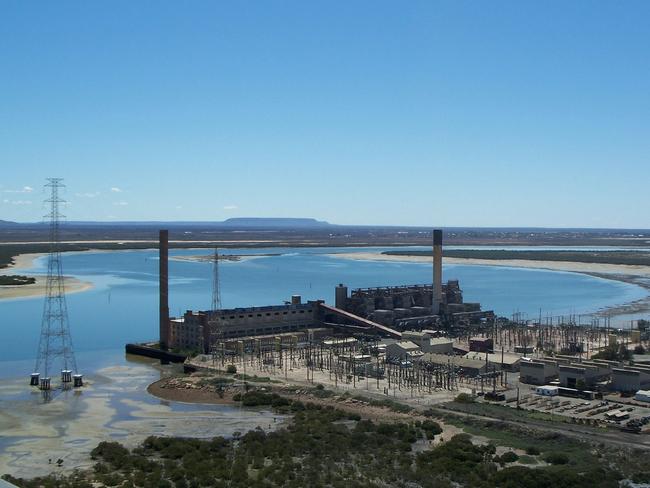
x=365, y=323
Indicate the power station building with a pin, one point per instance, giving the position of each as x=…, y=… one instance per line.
x=413, y=306
x=410, y=306
x=383, y=310
x=196, y=330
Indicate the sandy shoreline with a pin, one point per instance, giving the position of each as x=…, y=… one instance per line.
x=632, y=274
x=21, y=266
x=209, y=258
x=173, y=389
x=605, y=269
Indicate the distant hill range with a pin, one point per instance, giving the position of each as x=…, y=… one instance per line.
x=286, y=231
x=501, y=234
x=238, y=222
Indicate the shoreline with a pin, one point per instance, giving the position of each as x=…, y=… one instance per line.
x=167, y=389
x=637, y=275
x=23, y=263
x=208, y=258
x=631, y=274
x=170, y=389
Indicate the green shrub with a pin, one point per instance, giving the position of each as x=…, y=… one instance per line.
x=508, y=457
x=113, y=453
x=525, y=459
x=556, y=458
x=431, y=428
x=533, y=450
x=16, y=280
x=231, y=369
x=464, y=398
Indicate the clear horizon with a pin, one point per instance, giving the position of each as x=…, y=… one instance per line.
x=429, y=114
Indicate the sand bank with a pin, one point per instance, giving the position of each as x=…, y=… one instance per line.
x=21, y=265
x=179, y=389
x=587, y=268
x=209, y=258
x=187, y=391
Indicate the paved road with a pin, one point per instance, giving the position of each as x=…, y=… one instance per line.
x=625, y=439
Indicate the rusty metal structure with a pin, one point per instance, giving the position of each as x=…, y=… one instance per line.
x=164, y=289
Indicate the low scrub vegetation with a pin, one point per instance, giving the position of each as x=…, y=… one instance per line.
x=16, y=280
x=321, y=447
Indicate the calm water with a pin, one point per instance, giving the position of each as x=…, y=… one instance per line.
x=123, y=305
x=114, y=405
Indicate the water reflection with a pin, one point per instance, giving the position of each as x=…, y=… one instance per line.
x=114, y=404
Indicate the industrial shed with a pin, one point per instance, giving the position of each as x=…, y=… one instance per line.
x=403, y=350
x=503, y=361
x=468, y=367
x=537, y=372
x=631, y=378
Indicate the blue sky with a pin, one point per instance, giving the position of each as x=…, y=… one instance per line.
x=408, y=113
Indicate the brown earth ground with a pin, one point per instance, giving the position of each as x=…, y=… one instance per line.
x=187, y=389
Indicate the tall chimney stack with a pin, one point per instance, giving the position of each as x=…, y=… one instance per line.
x=437, y=272
x=164, y=288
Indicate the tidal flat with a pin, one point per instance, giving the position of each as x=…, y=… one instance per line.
x=113, y=405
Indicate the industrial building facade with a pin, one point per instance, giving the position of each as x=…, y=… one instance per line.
x=376, y=311
x=409, y=306
x=197, y=331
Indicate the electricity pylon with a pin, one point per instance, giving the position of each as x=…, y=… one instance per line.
x=55, y=344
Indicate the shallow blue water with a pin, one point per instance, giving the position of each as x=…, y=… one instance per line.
x=123, y=305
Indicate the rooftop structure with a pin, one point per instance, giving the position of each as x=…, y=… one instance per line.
x=403, y=350
x=537, y=371
x=505, y=361
x=470, y=367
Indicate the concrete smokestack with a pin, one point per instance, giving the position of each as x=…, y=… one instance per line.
x=164, y=288
x=437, y=272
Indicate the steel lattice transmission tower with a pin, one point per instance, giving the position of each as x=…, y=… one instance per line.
x=216, y=288
x=216, y=328
x=55, y=344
